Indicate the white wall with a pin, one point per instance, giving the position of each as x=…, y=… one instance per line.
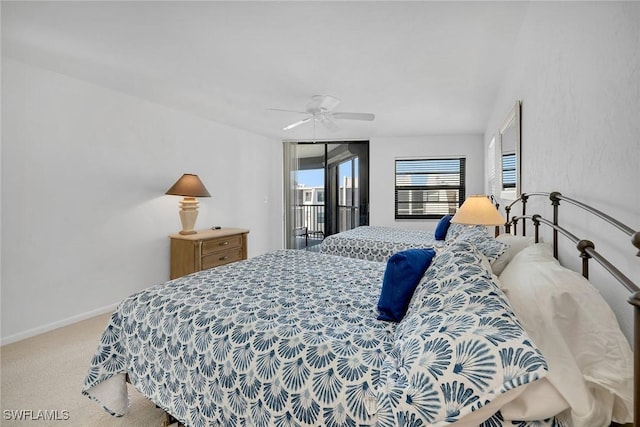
x=576, y=69
x=383, y=152
x=84, y=170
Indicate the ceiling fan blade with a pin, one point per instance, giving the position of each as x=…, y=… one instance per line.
x=322, y=102
x=329, y=124
x=298, y=123
x=353, y=116
x=287, y=111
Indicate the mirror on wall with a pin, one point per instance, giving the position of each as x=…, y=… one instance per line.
x=509, y=156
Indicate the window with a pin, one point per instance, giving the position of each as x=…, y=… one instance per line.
x=307, y=196
x=509, y=170
x=429, y=188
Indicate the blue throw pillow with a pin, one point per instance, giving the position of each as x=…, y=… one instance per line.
x=403, y=273
x=442, y=227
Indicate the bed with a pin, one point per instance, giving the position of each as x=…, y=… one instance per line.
x=375, y=243
x=293, y=338
x=252, y=343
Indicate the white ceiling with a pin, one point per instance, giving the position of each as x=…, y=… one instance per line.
x=422, y=67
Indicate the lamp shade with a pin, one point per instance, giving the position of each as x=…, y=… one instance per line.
x=188, y=185
x=478, y=210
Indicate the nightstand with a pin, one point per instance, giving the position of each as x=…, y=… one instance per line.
x=206, y=249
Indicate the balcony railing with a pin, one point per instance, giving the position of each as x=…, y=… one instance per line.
x=312, y=217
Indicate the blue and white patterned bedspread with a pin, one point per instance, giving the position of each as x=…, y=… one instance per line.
x=291, y=338
x=375, y=243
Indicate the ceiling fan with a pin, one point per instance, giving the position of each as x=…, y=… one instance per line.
x=320, y=109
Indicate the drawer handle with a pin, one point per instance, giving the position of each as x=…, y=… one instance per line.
x=222, y=258
x=224, y=243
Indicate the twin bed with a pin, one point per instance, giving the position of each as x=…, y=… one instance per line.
x=376, y=243
x=292, y=338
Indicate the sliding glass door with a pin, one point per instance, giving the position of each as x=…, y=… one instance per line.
x=326, y=189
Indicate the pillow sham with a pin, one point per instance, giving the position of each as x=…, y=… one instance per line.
x=442, y=227
x=515, y=244
x=478, y=235
x=455, y=229
x=404, y=271
x=459, y=353
x=590, y=360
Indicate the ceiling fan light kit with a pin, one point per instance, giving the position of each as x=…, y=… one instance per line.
x=320, y=109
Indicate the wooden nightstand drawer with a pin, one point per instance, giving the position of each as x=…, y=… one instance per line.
x=206, y=249
x=221, y=258
x=221, y=244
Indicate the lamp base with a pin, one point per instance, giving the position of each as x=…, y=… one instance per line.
x=183, y=232
x=188, y=215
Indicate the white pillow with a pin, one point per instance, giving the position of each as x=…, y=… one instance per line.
x=516, y=244
x=590, y=361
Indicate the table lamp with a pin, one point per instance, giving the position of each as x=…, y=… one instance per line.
x=189, y=186
x=478, y=210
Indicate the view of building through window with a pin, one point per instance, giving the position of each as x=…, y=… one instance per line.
x=428, y=188
x=311, y=196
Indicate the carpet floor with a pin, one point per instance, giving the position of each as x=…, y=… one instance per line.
x=46, y=373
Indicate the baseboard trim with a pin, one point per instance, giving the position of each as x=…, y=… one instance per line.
x=55, y=325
